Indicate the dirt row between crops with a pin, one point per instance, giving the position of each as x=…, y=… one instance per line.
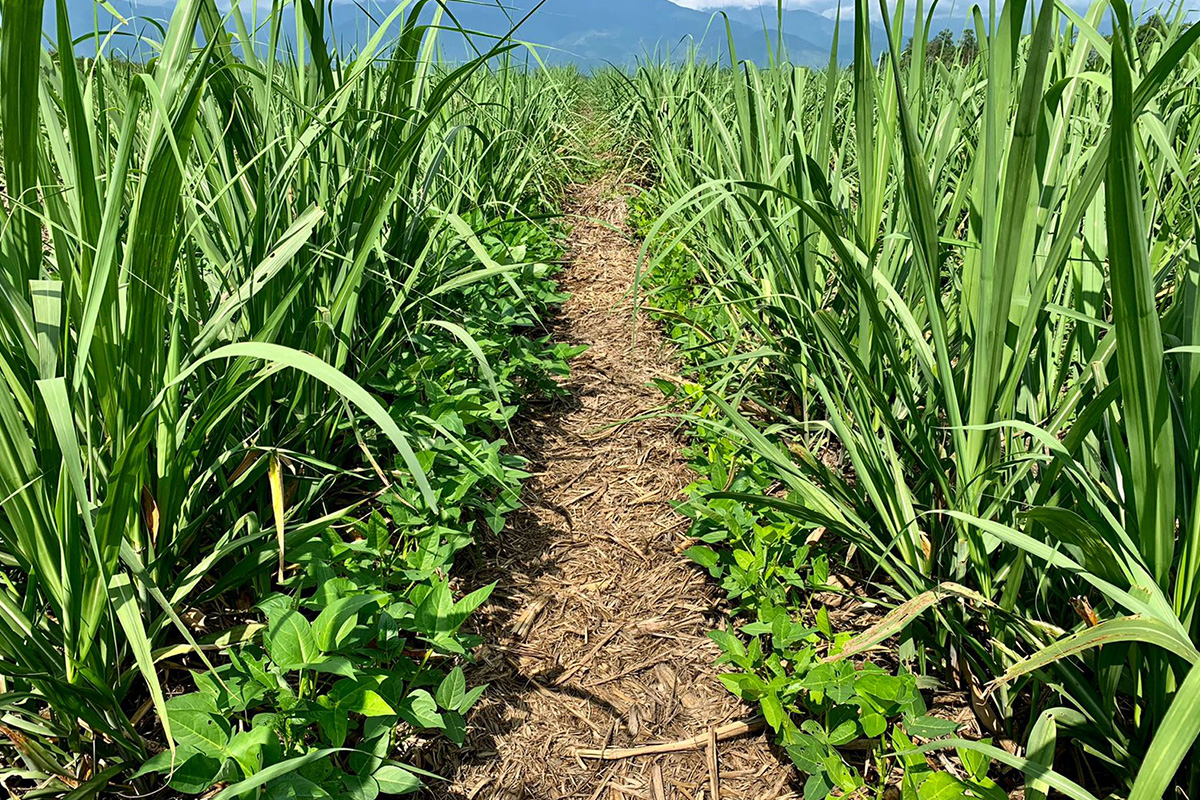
x=595, y=637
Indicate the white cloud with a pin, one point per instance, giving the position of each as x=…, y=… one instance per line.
x=709, y=5
x=706, y=4
x=827, y=7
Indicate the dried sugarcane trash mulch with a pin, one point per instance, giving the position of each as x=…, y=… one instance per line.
x=595, y=636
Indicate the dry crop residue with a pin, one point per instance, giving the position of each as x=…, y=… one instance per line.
x=595, y=636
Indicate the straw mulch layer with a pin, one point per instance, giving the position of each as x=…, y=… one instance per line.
x=595, y=637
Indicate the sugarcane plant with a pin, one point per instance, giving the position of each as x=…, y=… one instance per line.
x=207, y=258
x=964, y=295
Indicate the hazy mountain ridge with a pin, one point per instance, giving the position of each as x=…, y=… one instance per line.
x=618, y=31
x=589, y=33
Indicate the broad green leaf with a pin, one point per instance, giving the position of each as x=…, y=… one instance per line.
x=772, y=710
x=294, y=786
x=338, y=620
x=197, y=725
x=874, y=725
x=360, y=787
x=927, y=727
x=367, y=702
x=471, y=698
x=942, y=786
x=291, y=642
x=420, y=710
x=396, y=780
x=452, y=690
x=196, y=773
x=245, y=747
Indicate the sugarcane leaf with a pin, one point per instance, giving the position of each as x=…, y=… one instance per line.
x=1145, y=394
x=1172, y=742
x=1031, y=769
x=1135, y=628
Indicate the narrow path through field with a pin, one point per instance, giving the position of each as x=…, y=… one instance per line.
x=596, y=635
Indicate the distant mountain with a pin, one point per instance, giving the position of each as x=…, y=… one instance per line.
x=592, y=32
x=589, y=33
x=811, y=26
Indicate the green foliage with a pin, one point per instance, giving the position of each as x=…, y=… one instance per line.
x=814, y=706
x=942, y=311
x=246, y=287
x=352, y=655
x=358, y=652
